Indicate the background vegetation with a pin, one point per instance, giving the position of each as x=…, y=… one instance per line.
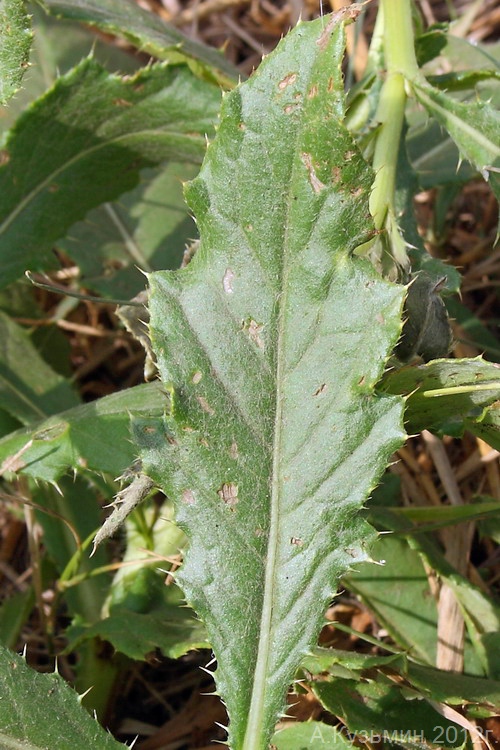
x=114, y=622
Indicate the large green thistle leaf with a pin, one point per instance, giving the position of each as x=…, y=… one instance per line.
x=270, y=343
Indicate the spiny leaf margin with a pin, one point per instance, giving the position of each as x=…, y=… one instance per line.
x=270, y=343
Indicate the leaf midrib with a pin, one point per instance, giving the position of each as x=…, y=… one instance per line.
x=257, y=704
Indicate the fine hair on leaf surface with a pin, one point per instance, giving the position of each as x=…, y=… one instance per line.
x=270, y=343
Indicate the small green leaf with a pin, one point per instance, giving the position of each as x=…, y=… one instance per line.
x=40, y=711
x=84, y=142
x=463, y=79
x=148, y=32
x=474, y=126
x=29, y=389
x=174, y=630
x=270, y=343
x=312, y=735
x=444, y=393
x=15, y=43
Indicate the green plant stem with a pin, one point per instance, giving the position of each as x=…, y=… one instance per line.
x=399, y=41
x=401, y=66
x=390, y=114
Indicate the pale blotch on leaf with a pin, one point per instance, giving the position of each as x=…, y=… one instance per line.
x=188, y=497
x=316, y=183
x=287, y=81
x=233, y=450
x=205, y=405
x=197, y=377
x=227, y=281
x=254, y=330
x=229, y=494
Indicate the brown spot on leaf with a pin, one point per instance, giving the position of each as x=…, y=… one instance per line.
x=229, y=494
x=321, y=389
x=254, y=330
x=233, y=450
x=197, y=377
x=313, y=91
x=316, y=183
x=122, y=103
x=4, y=157
x=205, y=405
x=296, y=541
x=287, y=81
x=336, y=174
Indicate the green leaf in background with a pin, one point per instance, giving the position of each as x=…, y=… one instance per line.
x=488, y=428
x=15, y=43
x=146, y=229
x=173, y=629
x=58, y=46
x=40, y=711
x=313, y=735
x=474, y=126
x=93, y=436
x=29, y=389
x=481, y=613
x=433, y=154
x=148, y=32
x=141, y=612
x=447, y=394
x=438, y=685
x=378, y=710
x=270, y=343
x=476, y=331
x=84, y=142
x=391, y=590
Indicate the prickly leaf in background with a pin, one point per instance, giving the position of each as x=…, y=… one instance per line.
x=15, y=43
